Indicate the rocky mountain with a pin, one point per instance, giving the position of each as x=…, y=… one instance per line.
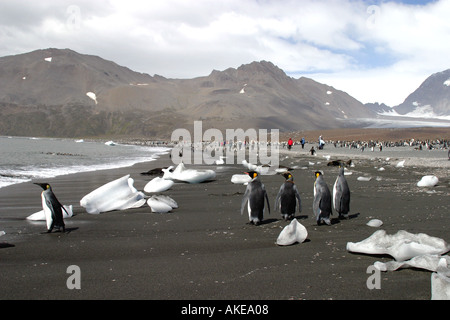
x=378, y=108
x=56, y=92
x=431, y=99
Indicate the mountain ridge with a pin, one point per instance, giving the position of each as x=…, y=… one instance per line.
x=60, y=92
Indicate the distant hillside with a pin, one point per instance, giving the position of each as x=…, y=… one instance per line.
x=55, y=92
x=431, y=99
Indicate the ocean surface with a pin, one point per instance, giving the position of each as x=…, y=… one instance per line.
x=23, y=159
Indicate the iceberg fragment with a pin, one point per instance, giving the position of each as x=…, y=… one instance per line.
x=40, y=215
x=181, y=173
x=292, y=233
x=158, y=184
x=375, y=223
x=440, y=281
x=115, y=195
x=400, y=164
x=428, y=181
x=428, y=262
x=401, y=246
x=240, y=178
x=161, y=204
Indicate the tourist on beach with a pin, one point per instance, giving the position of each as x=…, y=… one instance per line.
x=290, y=143
x=313, y=151
x=321, y=143
x=303, y=143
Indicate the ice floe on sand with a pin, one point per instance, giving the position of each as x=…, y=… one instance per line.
x=428, y=181
x=119, y=194
x=240, y=178
x=181, y=173
x=158, y=184
x=161, y=204
x=419, y=251
x=401, y=246
x=292, y=233
x=40, y=215
x=375, y=223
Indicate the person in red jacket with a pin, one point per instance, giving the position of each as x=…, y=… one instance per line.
x=290, y=143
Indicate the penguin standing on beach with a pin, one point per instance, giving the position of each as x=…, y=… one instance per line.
x=255, y=194
x=341, y=194
x=322, y=200
x=52, y=208
x=287, y=197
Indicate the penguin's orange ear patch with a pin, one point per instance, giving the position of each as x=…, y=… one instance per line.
x=255, y=175
x=47, y=186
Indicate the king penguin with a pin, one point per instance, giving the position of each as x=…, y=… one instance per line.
x=52, y=208
x=286, y=200
x=255, y=194
x=322, y=200
x=341, y=194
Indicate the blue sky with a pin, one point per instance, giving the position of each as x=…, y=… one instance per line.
x=377, y=51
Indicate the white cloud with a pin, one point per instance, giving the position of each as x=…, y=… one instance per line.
x=375, y=53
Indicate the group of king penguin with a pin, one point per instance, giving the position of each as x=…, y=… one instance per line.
x=288, y=196
x=255, y=195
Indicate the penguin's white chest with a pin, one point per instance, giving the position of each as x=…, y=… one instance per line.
x=335, y=192
x=47, y=211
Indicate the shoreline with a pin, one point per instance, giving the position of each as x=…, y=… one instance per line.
x=206, y=250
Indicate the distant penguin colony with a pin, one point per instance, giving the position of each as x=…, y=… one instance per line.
x=287, y=197
x=52, y=208
x=254, y=195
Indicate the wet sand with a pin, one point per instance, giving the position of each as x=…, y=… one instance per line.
x=206, y=250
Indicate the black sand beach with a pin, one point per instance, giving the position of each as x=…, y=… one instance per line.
x=206, y=250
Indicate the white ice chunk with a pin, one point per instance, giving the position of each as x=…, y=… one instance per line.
x=161, y=204
x=375, y=223
x=115, y=195
x=401, y=246
x=158, y=184
x=188, y=175
x=364, y=178
x=400, y=164
x=428, y=262
x=2, y=233
x=292, y=233
x=440, y=281
x=428, y=181
x=220, y=161
x=49, y=59
x=240, y=178
x=40, y=215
